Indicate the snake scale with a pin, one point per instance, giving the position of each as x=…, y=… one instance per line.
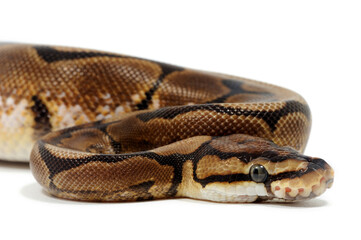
x=99, y=126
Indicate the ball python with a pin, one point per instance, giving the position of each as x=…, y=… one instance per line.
x=100, y=126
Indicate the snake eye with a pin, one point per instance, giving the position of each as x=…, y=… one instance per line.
x=258, y=173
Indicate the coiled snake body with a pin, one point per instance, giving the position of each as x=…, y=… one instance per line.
x=141, y=129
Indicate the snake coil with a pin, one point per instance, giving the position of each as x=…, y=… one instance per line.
x=110, y=127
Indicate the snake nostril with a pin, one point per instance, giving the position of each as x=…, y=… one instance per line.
x=329, y=183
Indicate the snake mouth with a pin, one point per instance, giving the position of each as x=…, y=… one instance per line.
x=305, y=184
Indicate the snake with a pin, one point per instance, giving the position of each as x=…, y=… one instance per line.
x=107, y=127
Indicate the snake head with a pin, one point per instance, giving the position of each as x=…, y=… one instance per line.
x=254, y=169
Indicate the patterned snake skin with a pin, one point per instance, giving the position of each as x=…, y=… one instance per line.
x=143, y=130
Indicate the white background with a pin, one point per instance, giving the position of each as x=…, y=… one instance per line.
x=312, y=47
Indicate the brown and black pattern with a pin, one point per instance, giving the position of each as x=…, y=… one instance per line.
x=159, y=173
x=149, y=130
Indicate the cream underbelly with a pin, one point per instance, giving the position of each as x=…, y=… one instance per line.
x=16, y=132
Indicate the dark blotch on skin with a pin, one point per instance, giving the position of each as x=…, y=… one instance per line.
x=41, y=117
x=51, y=55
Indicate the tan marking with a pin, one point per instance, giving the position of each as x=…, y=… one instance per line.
x=186, y=146
x=188, y=187
x=212, y=165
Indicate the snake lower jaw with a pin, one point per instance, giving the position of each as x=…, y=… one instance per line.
x=308, y=186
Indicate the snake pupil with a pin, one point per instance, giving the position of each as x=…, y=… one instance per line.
x=258, y=173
